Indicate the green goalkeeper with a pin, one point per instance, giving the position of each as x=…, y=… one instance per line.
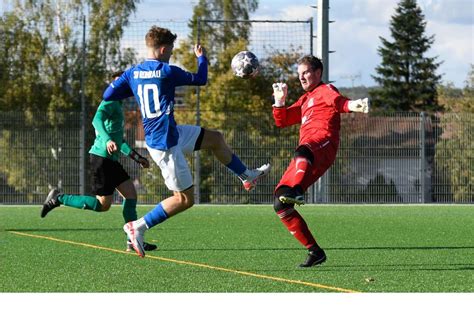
x=108, y=174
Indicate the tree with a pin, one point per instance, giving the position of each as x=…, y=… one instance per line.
x=407, y=77
x=455, y=149
x=41, y=52
x=40, y=72
x=458, y=100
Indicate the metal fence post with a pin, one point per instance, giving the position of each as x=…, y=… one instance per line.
x=311, y=36
x=82, y=149
x=422, y=159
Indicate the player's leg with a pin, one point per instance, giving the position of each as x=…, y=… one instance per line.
x=103, y=185
x=129, y=203
x=178, y=178
x=214, y=141
x=129, y=210
x=55, y=198
x=297, y=226
x=293, y=220
x=303, y=167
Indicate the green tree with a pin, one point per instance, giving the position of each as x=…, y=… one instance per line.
x=454, y=152
x=40, y=72
x=407, y=77
x=41, y=53
x=456, y=100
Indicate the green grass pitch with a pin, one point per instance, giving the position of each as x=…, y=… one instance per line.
x=241, y=249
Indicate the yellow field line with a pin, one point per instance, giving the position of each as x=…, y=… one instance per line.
x=195, y=264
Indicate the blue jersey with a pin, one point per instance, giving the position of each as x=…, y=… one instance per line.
x=153, y=84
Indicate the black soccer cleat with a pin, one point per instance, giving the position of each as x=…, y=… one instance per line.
x=51, y=202
x=315, y=257
x=146, y=246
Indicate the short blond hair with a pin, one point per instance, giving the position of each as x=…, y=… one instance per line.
x=158, y=36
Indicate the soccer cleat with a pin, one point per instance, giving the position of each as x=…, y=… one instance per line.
x=135, y=236
x=314, y=258
x=51, y=202
x=251, y=180
x=294, y=196
x=146, y=246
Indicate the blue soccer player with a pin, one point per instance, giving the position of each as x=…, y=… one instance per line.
x=153, y=84
x=108, y=174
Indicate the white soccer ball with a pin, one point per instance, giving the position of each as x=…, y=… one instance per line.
x=245, y=65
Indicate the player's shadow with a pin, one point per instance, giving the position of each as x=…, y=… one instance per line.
x=397, y=248
x=331, y=268
x=283, y=249
x=397, y=267
x=62, y=229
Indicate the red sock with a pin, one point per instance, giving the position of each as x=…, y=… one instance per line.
x=297, y=226
x=302, y=166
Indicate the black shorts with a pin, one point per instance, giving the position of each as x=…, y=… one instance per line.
x=106, y=175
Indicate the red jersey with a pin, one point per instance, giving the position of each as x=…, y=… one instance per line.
x=318, y=112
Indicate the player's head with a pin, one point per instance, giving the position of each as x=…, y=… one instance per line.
x=310, y=71
x=160, y=42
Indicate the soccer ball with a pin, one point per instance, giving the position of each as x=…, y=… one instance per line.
x=245, y=65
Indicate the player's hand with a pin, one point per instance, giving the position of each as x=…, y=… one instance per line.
x=280, y=90
x=199, y=50
x=144, y=163
x=111, y=147
x=360, y=105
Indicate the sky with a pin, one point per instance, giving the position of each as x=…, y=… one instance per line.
x=355, y=33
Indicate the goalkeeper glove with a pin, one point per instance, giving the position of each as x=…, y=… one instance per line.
x=280, y=90
x=360, y=105
x=139, y=159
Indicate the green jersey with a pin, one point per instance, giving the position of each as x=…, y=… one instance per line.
x=108, y=123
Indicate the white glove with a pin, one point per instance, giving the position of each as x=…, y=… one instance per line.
x=360, y=105
x=280, y=90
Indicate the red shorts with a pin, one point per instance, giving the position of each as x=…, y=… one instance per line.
x=324, y=156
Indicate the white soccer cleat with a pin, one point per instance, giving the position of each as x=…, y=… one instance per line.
x=251, y=180
x=135, y=235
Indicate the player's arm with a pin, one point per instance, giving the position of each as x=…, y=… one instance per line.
x=134, y=155
x=344, y=104
x=182, y=77
x=118, y=89
x=98, y=122
x=284, y=116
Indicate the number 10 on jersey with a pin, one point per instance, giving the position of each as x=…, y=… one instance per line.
x=148, y=95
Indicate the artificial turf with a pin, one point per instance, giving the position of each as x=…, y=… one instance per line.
x=240, y=249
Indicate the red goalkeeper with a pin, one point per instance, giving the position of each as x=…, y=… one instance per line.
x=318, y=111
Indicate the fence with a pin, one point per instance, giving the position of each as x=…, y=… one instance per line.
x=391, y=158
x=395, y=158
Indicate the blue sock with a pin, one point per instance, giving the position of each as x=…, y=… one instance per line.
x=236, y=165
x=155, y=216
